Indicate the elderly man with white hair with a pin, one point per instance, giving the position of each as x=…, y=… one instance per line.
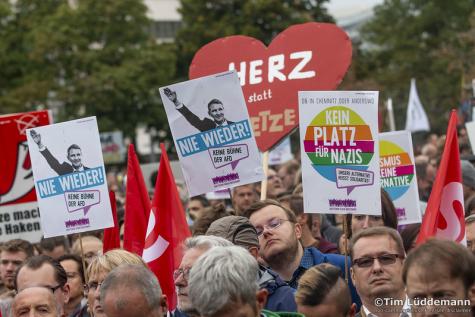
x=223, y=284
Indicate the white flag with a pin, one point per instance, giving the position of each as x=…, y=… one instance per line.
x=416, y=117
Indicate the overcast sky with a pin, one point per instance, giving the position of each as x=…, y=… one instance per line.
x=344, y=8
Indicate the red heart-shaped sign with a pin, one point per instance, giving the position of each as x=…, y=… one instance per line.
x=310, y=56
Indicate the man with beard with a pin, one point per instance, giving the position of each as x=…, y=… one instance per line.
x=378, y=257
x=279, y=233
x=13, y=254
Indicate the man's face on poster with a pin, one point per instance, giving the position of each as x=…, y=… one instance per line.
x=75, y=156
x=216, y=111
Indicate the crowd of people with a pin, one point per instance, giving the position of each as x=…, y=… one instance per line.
x=249, y=257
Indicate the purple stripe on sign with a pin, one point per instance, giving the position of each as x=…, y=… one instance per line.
x=405, y=170
x=365, y=146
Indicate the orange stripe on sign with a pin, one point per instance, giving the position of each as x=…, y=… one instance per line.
x=403, y=157
x=363, y=132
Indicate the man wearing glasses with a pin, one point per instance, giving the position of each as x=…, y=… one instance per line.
x=41, y=270
x=279, y=236
x=193, y=248
x=378, y=257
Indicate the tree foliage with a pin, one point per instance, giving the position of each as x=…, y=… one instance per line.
x=205, y=21
x=93, y=58
x=420, y=39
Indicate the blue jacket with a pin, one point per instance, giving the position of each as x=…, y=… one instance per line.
x=281, y=295
x=312, y=257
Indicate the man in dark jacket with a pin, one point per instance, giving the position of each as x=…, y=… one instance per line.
x=241, y=232
x=74, y=155
x=215, y=111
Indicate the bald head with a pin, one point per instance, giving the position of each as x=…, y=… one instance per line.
x=37, y=300
x=134, y=291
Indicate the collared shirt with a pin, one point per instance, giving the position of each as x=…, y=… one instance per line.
x=225, y=122
x=306, y=263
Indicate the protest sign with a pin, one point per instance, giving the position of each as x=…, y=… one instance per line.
x=398, y=175
x=218, y=151
x=72, y=195
x=281, y=153
x=271, y=76
x=340, y=153
x=113, y=149
x=19, y=214
x=470, y=126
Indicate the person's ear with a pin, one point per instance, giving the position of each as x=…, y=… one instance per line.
x=254, y=251
x=471, y=295
x=352, y=274
x=164, y=303
x=352, y=311
x=66, y=292
x=298, y=230
x=261, y=298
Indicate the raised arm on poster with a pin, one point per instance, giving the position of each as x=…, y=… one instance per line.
x=340, y=154
x=398, y=175
x=19, y=215
x=72, y=195
x=212, y=133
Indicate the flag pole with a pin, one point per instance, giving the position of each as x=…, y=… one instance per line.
x=392, y=124
x=345, y=230
x=265, y=167
x=82, y=258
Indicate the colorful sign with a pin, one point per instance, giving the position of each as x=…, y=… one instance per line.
x=340, y=156
x=212, y=133
x=70, y=179
x=19, y=214
x=271, y=76
x=398, y=175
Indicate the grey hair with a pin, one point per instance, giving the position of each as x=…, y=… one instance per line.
x=206, y=242
x=132, y=276
x=221, y=276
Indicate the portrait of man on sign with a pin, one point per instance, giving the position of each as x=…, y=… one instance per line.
x=74, y=156
x=215, y=111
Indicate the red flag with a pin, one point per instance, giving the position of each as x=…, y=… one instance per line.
x=167, y=229
x=137, y=206
x=111, y=238
x=444, y=216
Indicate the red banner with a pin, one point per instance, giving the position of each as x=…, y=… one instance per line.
x=310, y=56
x=16, y=177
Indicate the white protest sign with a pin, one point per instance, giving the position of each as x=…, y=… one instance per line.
x=340, y=153
x=281, y=153
x=470, y=126
x=398, y=175
x=70, y=177
x=212, y=133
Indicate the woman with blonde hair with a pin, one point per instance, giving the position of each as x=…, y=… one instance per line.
x=97, y=272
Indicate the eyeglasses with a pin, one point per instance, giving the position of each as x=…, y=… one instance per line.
x=92, y=286
x=384, y=259
x=185, y=272
x=271, y=225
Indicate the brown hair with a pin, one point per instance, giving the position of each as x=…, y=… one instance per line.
x=321, y=282
x=18, y=245
x=296, y=205
x=210, y=214
x=455, y=259
x=378, y=231
x=269, y=202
